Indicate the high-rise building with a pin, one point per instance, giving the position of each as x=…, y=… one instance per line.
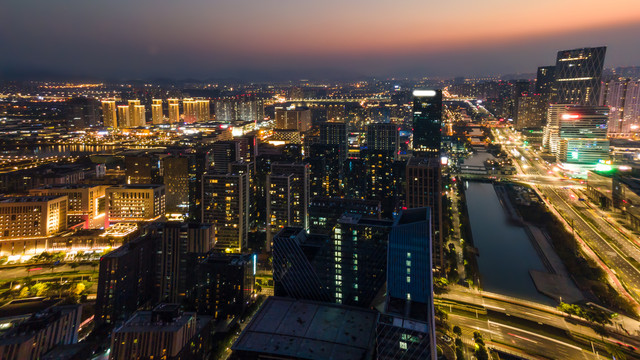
x=578, y=134
x=86, y=202
x=203, y=112
x=161, y=333
x=32, y=216
x=383, y=137
x=134, y=203
x=383, y=180
x=225, y=204
x=293, y=118
x=335, y=133
x=134, y=113
x=424, y=189
x=143, y=167
x=126, y=279
x=287, y=197
x=359, y=262
x=545, y=88
x=189, y=110
x=156, y=112
x=109, y=116
x=224, y=284
x=82, y=112
x=31, y=339
x=530, y=112
x=427, y=122
x=174, y=111
x=324, y=212
x=123, y=116
x=176, y=182
x=181, y=246
x=407, y=329
x=578, y=74
x=325, y=170
x=224, y=153
x=623, y=99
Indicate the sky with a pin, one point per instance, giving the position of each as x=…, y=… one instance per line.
x=245, y=38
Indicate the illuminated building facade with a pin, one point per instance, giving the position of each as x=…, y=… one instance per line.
x=293, y=118
x=383, y=137
x=134, y=203
x=203, y=112
x=123, y=116
x=174, y=110
x=407, y=328
x=578, y=74
x=225, y=204
x=109, y=115
x=134, y=113
x=189, y=111
x=86, y=203
x=427, y=122
x=623, y=99
x=287, y=197
x=32, y=216
x=139, y=116
x=156, y=112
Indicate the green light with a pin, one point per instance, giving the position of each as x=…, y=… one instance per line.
x=603, y=167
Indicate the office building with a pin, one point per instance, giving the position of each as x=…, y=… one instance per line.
x=174, y=110
x=427, y=122
x=287, y=197
x=32, y=216
x=161, y=333
x=126, y=279
x=293, y=118
x=225, y=204
x=82, y=112
x=578, y=134
x=578, y=74
x=530, y=114
x=298, y=329
x=86, y=203
x=224, y=153
x=176, y=182
x=123, y=116
x=134, y=203
x=224, y=284
x=181, y=246
x=31, y=339
x=143, y=167
x=407, y=328
x=424, y=189
x=545, y=89
x=156, y=112
x=109, y=116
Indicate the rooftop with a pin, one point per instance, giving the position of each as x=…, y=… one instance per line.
x=309, y=330
x=28, y=199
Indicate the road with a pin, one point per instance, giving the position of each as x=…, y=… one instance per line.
x=21, y=272
x=618, y=254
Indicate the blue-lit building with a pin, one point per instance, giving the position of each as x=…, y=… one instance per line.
x=407, y=329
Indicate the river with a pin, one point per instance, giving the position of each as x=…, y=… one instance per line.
x=506, y=253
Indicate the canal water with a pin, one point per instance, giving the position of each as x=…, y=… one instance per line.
x=506, y=253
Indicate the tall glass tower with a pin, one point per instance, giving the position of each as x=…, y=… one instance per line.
x=427, y=122
x=578, y=73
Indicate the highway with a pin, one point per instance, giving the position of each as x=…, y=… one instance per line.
x=613, y=249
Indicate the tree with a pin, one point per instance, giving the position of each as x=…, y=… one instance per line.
x=459, y=354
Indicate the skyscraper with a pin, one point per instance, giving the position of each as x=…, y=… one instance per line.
x=203, y=112
x=139, y=118
x=578, y=74
x=123, y=116
x=174, y=111
x=189, y=110
x=335, y=133
x=424, y=188
x=407, y=329
x=287, y=197
x=293, y=118
x=109, y=117
x=134, y=113
x=623, y=99
x=156, y=111
x=427, y=122
x=225, y=204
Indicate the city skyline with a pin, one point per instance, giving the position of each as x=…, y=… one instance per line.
x=281, y=41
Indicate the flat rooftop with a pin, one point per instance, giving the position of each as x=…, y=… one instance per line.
x=309, y=330
x=28, y=199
